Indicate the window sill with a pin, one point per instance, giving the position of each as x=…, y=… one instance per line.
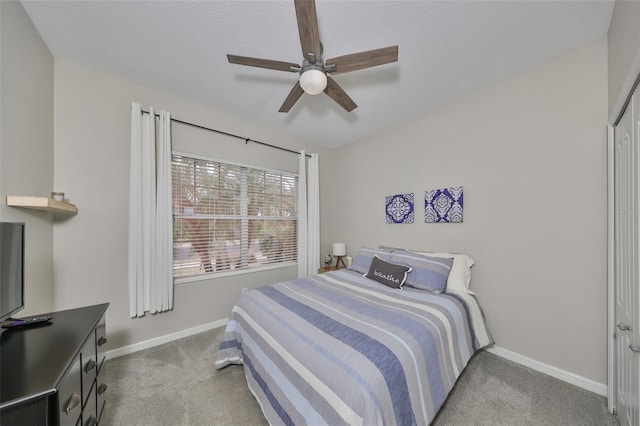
x=213, y=276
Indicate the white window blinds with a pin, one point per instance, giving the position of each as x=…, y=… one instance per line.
x=229, y=217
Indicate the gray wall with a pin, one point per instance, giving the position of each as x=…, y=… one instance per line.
x=624, y=52
x=26, y=145
x=530, y=152
x=92, y=126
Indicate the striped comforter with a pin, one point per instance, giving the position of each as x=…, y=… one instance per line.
x=339, y=348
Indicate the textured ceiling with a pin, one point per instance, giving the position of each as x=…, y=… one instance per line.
x=446, y=49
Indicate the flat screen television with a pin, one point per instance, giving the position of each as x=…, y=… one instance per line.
x=11, y=268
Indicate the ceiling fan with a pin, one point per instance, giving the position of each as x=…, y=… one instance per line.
x=314, y=72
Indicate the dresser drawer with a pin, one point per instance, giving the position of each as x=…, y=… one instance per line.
x=89, y=367
x=101, y=389
x=101, y=341
x=70, y=397
x=90, y=414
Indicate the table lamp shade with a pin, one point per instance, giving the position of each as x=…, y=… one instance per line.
x=339, y=249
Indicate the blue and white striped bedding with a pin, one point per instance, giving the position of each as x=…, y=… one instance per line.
x=339, y=348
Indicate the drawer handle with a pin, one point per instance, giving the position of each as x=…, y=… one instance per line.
x=102, y=389
x=102, y=340
x=92, y=421
x=90, y=365
x=72, y=403
x=624, y=327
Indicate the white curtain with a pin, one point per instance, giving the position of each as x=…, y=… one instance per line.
x=308, y=215
x=150, y=214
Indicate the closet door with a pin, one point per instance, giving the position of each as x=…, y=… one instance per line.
x=626, y=260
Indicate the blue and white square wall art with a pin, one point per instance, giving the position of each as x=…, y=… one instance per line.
x=399, y=208
x=443, y=205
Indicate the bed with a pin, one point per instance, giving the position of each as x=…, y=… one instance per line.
x=341, y=348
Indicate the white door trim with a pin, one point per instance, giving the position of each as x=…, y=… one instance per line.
x=611, y=376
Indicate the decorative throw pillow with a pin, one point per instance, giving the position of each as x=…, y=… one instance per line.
x=460, y=275
x=391, y=275
x=428, y=273
x=362, y=260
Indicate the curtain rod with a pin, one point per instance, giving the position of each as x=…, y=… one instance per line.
x=246, y=140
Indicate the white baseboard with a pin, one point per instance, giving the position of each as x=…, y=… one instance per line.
x=574, y=379
x=125, y=350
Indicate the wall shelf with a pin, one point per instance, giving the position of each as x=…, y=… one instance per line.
x=41, y=203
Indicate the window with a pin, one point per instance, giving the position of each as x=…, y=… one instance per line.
x=229, y=217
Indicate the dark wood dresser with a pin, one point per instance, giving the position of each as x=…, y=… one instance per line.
x=54, y=374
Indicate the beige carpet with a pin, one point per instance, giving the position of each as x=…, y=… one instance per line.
x=177, y=384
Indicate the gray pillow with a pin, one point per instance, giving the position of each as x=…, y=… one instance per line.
x=428, y=273
x=389, y=274
x=362, y=260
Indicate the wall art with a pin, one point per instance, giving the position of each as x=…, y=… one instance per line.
x=399, y=208
x=443, y=205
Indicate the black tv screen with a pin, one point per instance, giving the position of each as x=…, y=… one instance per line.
x=11, y=268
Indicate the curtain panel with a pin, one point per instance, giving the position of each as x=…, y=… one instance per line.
x=150, y=273
x=308, y=215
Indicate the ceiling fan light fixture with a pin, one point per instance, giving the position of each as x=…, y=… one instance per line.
x=313, y=81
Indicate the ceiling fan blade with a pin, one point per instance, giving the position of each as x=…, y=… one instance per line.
x=361, y=60
x=261, y=63
x=292, y=98
x=336, y=93
x=308, y=28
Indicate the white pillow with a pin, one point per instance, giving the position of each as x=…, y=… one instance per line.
x=460, y=275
